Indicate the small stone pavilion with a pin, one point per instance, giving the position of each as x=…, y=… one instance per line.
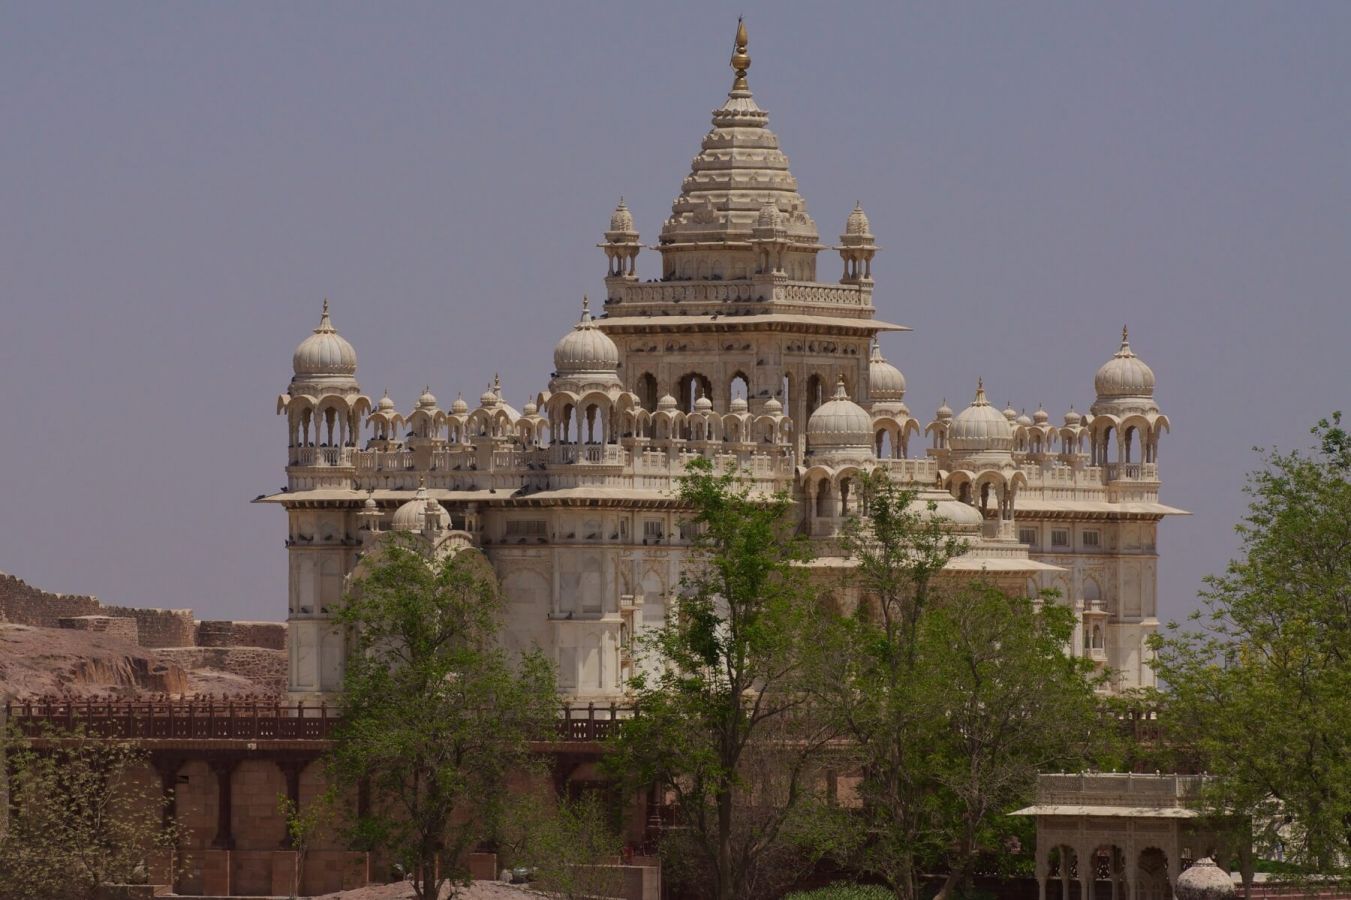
x=1109, y=836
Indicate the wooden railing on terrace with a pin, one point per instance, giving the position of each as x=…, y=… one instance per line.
x=214, y=719
x=251, y=719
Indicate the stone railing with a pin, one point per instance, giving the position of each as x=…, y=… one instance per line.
x=1132, y=471
x=321, y=456
x=698, y=297
x=1119, y=789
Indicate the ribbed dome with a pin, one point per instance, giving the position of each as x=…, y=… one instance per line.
x=1041, y=416
x=666, y=402
x=773, y=407
x=980, y=426
x=1024, y=420
x=703, y=404
x=386, y=404
x=1072, y=418
x=586, y=349
x=428, y=399
x=412, y=516
x=739, y=405
x=459, y=407
x=885, y=381
x=1203, y=880
x=944, y=411
x=621, y=220
x=839, y=423
x=857, y=224
x=1124, y=375
x=325, y=352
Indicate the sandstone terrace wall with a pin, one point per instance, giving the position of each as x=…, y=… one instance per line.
x=222, y=633
x=159, y=627
x=265, y=668
x=113, y=626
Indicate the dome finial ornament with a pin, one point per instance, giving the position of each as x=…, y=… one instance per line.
x=741, y=60
x=325, y=323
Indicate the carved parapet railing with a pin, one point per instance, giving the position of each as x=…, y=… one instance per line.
x=172, y=720
x=320, y=456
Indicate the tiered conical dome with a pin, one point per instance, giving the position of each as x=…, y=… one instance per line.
x=739, y=169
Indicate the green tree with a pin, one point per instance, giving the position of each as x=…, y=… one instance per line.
x=1014, y=704
x=1259, y=686
x=435, y=714
x=79, y=818
x=570, y=846
x=955, y=695
x=724, y=722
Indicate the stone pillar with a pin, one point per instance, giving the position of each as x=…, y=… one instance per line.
x=224, y=768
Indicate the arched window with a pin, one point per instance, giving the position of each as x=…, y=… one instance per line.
x=816, y=391
x=647, y=391
x=692, y=386
x=739, y=386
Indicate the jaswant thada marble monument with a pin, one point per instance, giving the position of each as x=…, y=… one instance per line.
x=741, y=353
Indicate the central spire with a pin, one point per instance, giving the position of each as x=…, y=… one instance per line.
x=739, y=171
x=741, y=60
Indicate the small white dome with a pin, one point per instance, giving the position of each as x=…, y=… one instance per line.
x=325, y=352
x=412, y=516
x=739, y=405
x=487, y=398
x=885, y=381
x=369, y=505
x=1010, y=414
x=386, y=404
x=773, y=407
x=428, y=399
x=459, y=407
x=1024, y=420
x=1203, y=880
x=839, y=423
x=1041, y=416
x=1072, y=418
x=1124, y=375
x=703, y=404
x=980, y=426
x=531, y=408
x=857, y=224
x=666, y=402
x=585, y=349
x=944, y=412
x=621, y=220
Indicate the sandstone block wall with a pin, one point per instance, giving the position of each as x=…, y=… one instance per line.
x=113, y=626
x=160, y=627
x=24, y=604
x=266, y=668
x=221, y=633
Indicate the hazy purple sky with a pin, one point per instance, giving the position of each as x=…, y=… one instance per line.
x=182, y=184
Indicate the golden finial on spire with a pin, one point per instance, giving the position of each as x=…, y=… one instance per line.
x=741, y=60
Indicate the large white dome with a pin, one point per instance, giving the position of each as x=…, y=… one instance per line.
x=412, y=516
x=1124, y=375
x=325, y=352
x=839, y=423
x=585, y=349
x=980, y=426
